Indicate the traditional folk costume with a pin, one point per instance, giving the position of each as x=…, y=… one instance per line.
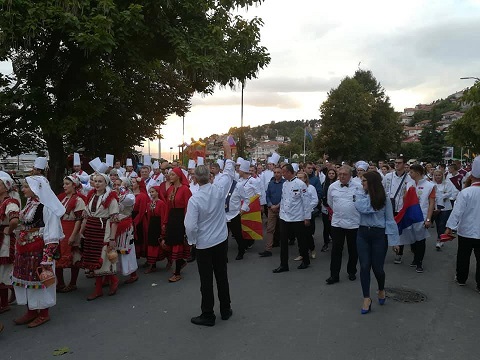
x=177, y=200
x=157, y=220
x=35, y=247
x=100, y=212
x=9, y=213
x=124, y=237
x=70, y=254
x=140, y=221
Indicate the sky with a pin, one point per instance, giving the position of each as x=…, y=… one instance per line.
x=417, y=50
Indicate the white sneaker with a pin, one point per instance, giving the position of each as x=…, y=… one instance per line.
x=398, y=259
x=313, y=254
x=298, y=258
x=439, y=245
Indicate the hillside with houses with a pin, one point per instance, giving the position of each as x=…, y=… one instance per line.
x=285, y=137
x=440, y=114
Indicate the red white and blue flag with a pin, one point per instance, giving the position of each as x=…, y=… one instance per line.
x=410, y=219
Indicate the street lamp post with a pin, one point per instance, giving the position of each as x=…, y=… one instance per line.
x=470, y=78
x=242, y=145
x=171, y=148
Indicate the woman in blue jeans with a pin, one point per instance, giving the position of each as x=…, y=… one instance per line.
x=376, y=224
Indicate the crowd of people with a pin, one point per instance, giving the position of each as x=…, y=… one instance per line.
x=106, y=222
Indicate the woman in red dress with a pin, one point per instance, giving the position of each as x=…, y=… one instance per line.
x=99, y=229
x=157, y=219
x=139, y=215
x=177, y=199
x=74, y=204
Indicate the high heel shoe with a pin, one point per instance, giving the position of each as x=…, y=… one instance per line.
x=367, y=310
x=381, y=301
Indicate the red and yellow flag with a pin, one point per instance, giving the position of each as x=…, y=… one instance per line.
x=252, y=227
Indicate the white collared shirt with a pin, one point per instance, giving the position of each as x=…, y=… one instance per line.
x=313, y=197
x=295, y=203
x=205, y=221
x=466, y=213
x=341, y=199
x=391, y=182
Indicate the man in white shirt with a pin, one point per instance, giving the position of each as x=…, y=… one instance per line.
x=236, y=204
x=120, y=169
x=395, y=184
x=250, y=185
x=130, y=173
x=157, y=177
x=345, y=223
x=206, y=227
x=295, y=216
x=215, y=171
x=465, y=220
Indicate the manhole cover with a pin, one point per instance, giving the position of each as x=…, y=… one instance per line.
x=405, y=295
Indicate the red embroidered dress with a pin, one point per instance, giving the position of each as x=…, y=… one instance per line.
x=100, y=211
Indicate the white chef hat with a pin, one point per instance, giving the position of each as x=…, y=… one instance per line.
x=295, y=167
x=95, y=164
x=109, y=160
x=476, y=167
x=191, y=164
x=129, y=162
x=156, y=165
x=245, y=166
x=361, y=165
x=239, y=160
x=76, y=159
x=200, y=160
x=40, y=163
x=274, y=158
x=221, y=163
x=147, y=160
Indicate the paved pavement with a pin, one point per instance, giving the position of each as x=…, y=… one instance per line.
x=276, y=316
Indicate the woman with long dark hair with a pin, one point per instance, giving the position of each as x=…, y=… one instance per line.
x=376, y=221
x=326, y=210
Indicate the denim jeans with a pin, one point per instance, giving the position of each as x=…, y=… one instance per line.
x=372, y=248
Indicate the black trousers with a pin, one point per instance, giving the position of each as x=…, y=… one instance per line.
x=418, y=249
x=327, y=226
x=298, y=229
x=338, y=240
x=464, y=252
x=235, y=227
x=213, y=261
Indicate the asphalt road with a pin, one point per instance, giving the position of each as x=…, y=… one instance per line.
x=276, y=316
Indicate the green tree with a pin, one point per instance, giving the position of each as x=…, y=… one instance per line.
x=358, y=121
x=105, y=74
x=432, y=141
x=465, y=132
x=346, y=123
x=411, y=150
x=386, y=130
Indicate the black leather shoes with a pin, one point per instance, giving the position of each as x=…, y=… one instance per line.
x=280, y=269
x=352, y=277
x=227, y=314
x=302, y=266
x=266, y=253
x=331, y=280
x=204, y=319
x=239, y=256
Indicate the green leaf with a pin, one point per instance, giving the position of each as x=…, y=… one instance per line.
x=61, y=351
